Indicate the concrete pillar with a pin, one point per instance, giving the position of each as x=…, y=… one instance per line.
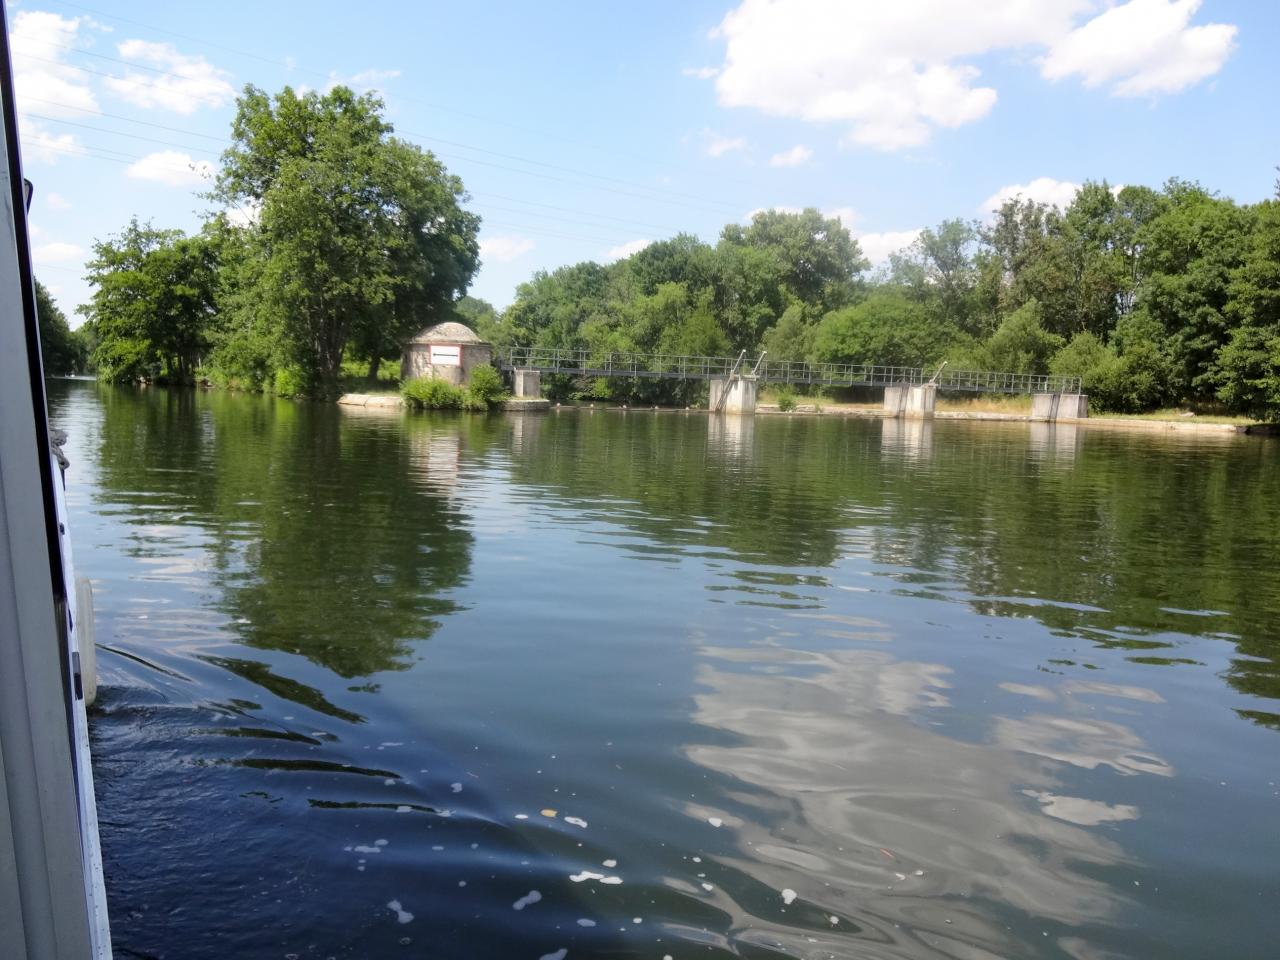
x=921, y=400
x=739, y=394
x=1044, y=406
x=717, y=385
x=895, y=399
x=528, y=383
x=1059, y=406
x=1074, y=406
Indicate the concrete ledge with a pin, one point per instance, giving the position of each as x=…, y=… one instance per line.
x=526, y=404
x=371, y=400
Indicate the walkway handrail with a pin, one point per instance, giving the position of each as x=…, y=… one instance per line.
x=590, y=363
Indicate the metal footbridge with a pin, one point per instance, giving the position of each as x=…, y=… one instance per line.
x=588, y=363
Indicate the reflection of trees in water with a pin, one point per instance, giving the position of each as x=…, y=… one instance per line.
x=1108, y=536
x=326, y=542
x=855, y=801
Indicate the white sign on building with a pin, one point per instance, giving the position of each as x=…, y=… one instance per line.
x=445, y=356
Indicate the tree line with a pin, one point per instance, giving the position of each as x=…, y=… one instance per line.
x=1152, y=297
x=347, y=240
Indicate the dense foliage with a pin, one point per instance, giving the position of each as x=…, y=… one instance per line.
x=353, y=240
x=1150, y=296
x=484, y=391
x=62, y=350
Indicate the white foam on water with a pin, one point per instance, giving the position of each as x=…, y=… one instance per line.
x=462, y=883
x=612, y=881
x=715, y=821
x=402, y=915
x=391, y=743
x=609, y=863
x=364, y=849
x=576, y=821
x=788, y=895
x=403, y=809
x=522, y=816
x=455, y=787
x=532, y=897
x=389, y=782
x=585, y=875
x=584, y=922
x=381, y=843
x=637, y=919
x=558, y=955
x=708, y=887
x=437, y=847
x=834, y=919
x=697, y=859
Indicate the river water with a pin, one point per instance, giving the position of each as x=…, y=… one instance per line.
x=608, y=684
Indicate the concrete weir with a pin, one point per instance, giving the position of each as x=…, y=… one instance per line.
x=734, y=395
x=910, y=400
x=1059, y=406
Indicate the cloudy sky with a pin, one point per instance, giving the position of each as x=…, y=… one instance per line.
x=585, y=130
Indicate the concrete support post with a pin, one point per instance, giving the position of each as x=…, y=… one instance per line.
x=921, y=400
x=1059, y=406
x=716, y=393
x=895, y=399
x=528, y=383
x=737, y=395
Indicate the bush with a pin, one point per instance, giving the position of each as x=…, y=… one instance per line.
x=289, y=382
x=431, y=393
x=486, y=389
x=786, y=399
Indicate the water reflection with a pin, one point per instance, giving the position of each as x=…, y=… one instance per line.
x=1054, y=442
x=815, y=687
x=873, y=814
x=906, y=438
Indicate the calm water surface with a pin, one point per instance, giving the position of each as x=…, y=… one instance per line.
x=598, y=684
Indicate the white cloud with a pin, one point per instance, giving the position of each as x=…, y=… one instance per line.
x=55, y=252
x=751, y=214
x=894, y=73
x=504, y=248
x=172, y=168
x=39, y=42
x=792, y=158
x=700, y=73
x=1143, y=47
x=846, y=215
x=39, y=141
x=717, y=145
x=57, y=201
x=1057, y=193
x=186, y=84
x=624, y=250
x=362, y=82
x=876, y=247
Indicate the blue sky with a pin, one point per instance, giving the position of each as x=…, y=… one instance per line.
x=584, y=130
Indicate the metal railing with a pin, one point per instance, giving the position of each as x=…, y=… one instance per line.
x=588, y=363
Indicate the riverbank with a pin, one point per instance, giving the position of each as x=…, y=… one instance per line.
x=877, y=412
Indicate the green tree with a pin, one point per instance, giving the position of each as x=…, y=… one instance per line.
x=820, y=261
x=362, y=237
x=887, y=328
x=61, y=351
x=152, y=303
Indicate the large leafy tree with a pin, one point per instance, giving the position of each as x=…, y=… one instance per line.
x=152, y=302
x=362, y=238
x=61, y=351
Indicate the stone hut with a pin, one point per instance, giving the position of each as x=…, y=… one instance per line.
x=447, y=351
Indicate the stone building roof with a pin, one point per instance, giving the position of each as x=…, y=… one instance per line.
x=449, y=332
